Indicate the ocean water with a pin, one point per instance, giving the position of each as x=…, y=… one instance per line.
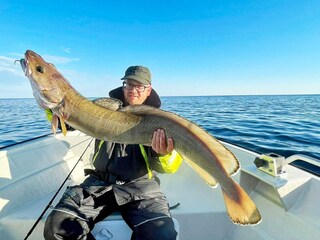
x=282, y=124
x=20, y=120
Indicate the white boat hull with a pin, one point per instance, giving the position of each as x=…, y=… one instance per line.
x=31, y=173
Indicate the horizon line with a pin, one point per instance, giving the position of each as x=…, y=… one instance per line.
x=222, y=95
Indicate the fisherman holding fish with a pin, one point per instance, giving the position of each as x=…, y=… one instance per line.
x=124, y=178
x=132, y=148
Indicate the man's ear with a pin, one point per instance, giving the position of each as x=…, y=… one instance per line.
x=149, y=90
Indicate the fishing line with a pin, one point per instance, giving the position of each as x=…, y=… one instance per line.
x=52, y=199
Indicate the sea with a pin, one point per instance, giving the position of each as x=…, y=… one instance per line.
x=281, y=124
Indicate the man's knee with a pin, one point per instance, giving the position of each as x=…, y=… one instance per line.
x=162, y=228
x=60, y=225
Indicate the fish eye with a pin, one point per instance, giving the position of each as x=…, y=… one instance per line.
x=39, y=69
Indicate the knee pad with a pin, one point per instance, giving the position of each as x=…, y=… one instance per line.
x=163, y=229
x=64, y=225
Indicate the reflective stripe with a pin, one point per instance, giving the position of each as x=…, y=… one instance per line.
x=95, y=156
x=145, y=156
x=152, y=219
x=71, y=213
x=171, y=162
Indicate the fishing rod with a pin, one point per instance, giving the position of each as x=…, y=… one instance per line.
x=52, y=199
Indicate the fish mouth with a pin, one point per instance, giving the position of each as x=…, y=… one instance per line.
x=23, y=64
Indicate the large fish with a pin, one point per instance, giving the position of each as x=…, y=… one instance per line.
x=135, y=125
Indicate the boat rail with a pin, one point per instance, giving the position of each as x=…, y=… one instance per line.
x=304, y=158
x=306, y=163
x=27, y=140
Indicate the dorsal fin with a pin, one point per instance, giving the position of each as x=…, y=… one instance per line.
x=108, y=103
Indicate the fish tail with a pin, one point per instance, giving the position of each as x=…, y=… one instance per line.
x=240, y=207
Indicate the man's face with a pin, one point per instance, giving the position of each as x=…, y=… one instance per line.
x=135, y=93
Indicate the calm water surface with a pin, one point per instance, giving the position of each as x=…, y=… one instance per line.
x=282, y=124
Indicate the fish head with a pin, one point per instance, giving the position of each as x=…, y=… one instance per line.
x=48, y=85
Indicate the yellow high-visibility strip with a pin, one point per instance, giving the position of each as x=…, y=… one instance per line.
x=144, y=154
x=95, y=156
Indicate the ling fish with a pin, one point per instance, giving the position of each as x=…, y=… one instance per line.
x=135, y=125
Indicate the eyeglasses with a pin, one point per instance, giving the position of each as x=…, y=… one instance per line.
x=130, y=86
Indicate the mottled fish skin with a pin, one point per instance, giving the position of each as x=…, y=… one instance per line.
x=106, y=120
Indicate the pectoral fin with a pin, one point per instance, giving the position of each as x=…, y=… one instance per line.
x=54, y=123
x=63, y=127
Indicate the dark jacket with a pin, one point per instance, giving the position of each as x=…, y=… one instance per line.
x=123, y=162
x=124, y=166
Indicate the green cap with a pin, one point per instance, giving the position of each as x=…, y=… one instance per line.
x=138, y=73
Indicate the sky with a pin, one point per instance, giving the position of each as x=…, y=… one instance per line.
x=191, y=47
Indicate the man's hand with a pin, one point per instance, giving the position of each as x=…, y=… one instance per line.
x=160, y=144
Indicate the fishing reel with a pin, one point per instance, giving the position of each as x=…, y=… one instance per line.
x=270, y=163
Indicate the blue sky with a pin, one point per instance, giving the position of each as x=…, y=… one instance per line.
x=191, y=47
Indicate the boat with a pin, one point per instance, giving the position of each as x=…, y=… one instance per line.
x=286, y=193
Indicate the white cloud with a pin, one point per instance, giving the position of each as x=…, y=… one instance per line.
x=66, y=50
x=8, y=65
x=16, y=90
x=58, y=59
x=18, y=55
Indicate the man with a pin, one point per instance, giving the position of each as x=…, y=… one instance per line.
x=124, y=179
